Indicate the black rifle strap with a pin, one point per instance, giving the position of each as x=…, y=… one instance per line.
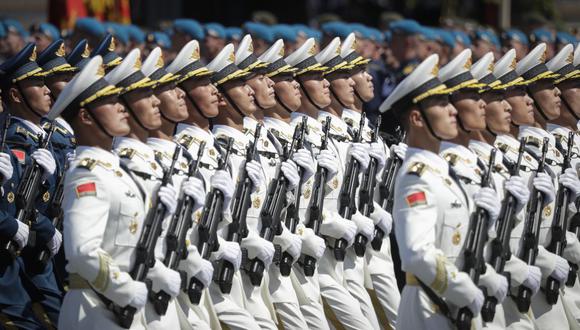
x=441, y=304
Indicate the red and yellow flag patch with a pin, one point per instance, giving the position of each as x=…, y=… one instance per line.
x=20, y=155
x=416, y=199
x=86, y=189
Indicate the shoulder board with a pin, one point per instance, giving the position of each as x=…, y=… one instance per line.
x=26, y=133
x=186, y=140
x=87, y=163
x=127, y=153
x=451, y=158
x=417, y=168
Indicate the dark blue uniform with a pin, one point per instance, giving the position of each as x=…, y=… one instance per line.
x=23, y=142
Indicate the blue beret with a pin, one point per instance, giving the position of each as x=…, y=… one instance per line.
x=47, y=29
x=332, y=28
x=405, y=26
x=376, y=35
x=79, y=56
x=190, y=27
x=285, y=32
x=160, y=39
x=515, y=34
x=565, y=38
x=388, y=36
x=494, y=39
x=259, y=31
x=429, y=34
x=360, y=30
x=233, y=33
x=215, y=30
x=461, y=37
x=90, y=26
x=13, y=25
x=447, y=38
x=483, y=35
x=19, y=67
x=542, y=35
x=301, y=29
x=118, y=31
x=135, y=33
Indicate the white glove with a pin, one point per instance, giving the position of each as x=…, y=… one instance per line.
x=303, y=158
x=477, y=303
x=289, y=242
x=168, y=197
x=164, y=279
x=534, y=279
x=382, y=219
x=205, y=273
x=399, y=149
x=45, y=159
x=543, y=182
x=21, y=236
x=487, y=199
x=290, y=172
x=229, y=251
x=55, y=242
x=70, y=156
x=222, y=181
x=193, y=187
x=6, y=169
x=364, y=225
x=569, y=179
x=518, y=188
x=259, y=248
x=337, y=227
x=312, y=244
x=360, y=152
x=561, y=270
x=377, y=152
x=327, y=160
x=496, y=284
x=139, y=295
x=254, y=170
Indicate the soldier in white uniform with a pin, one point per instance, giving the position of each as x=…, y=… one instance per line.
x=100, y=252
x=201, y=100
x=546, y=96
x=342, y=93
x=432, y=210
x=380, y=280
x=498, y=122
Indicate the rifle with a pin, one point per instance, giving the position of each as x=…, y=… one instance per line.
x=387, y=191
x=347, y=199
x=474, y=263
x=367, y=191
x=500, y=246
x=27, y=191
x=271, y=213
x=145, y=251
x=559, y=225
x=317, y=202
x=238, y=229
x=531, y=234
x=575, y=228
x=207, y=228
x=176, y=237
x=292, y=216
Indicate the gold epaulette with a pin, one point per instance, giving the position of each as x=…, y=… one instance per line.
x=127, y=153
x=417, y=168
x=186, y=140
x=23, y=131
x=87, y=163
x=451, y=159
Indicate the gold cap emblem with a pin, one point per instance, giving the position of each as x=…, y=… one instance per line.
x=86, y=53
x=33, y=55
x=353, y=46
x=467, y=64
x=60, y=52
x=112, y=45
x=137, y=64
x=101, y=71
x=312, y=50
x=435, y=70
x=195, y=54
x=281, y=52
x=490, y=67
x=250, y=47
x=544, y=55
x=232, y=57
x=160, y=62
x=338, y=50
x=513, y=64
x=570, y=58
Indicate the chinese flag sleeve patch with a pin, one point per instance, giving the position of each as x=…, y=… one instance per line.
x=416, y=199
x=20, y=155
x=86, y=189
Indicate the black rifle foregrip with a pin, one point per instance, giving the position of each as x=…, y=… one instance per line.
x=377, y=241
x=552, y=290
x=160, y=302
x=256, y=272
x=464, y=318
x=195, y=290
x=309, y=265
x=339, y=249
x=488, y=309
x=360, y=245
x=225, y=277
x=286, y=264
x=524, y=299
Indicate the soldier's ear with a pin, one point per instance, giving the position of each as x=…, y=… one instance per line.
x=415, y=118
x=84, y=117
x=14, y=95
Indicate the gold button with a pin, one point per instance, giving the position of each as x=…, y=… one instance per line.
x=211, y=152
x=153, y=165
x=118, y=173
x=528, y=158
x=307, y=192
x=256, y=202
x=133, y=226
x=547, y=211
x=46, y=197
x=448, y=181
x=197, y=216
x=456, y=238
x=116, y=275
x=266, y=144
x=187, y=242
x=10, y=197
x=335, y=183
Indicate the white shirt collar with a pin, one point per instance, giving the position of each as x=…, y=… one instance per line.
x=32, y=126
x=196, y=132
x=96, y=153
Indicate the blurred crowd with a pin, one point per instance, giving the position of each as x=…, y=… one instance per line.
x=394, y=50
